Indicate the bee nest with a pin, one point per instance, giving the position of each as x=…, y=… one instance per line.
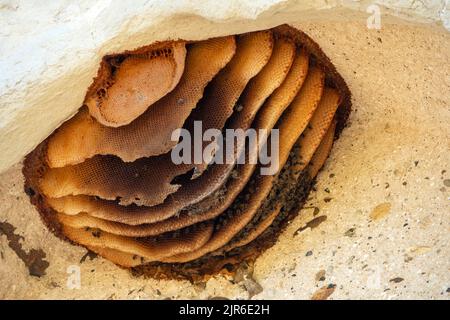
x=106, y=179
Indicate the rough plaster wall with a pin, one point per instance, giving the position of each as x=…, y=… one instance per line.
x=50, y=51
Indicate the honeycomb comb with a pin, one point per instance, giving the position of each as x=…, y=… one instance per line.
x=105, y=179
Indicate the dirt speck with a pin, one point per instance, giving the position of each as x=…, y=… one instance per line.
x=33, y=259
x=447, y=183
x=89, y=254
x=314, y=223
x=396, y=280
x=244, y=275
x=380, y=211
x=324, y=292
x=315, y=212
x=350, y=232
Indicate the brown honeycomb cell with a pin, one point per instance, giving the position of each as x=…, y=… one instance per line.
x=105, y=179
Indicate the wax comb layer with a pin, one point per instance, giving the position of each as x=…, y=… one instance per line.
x=321, y=154
x=108, y=210
x=127, y=87
x=317, y=128
x=155, y=248
x=114, y=188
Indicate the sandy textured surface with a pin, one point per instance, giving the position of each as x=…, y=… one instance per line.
x=384, y=192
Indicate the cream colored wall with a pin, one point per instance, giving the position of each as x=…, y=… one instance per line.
x=50, y=52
